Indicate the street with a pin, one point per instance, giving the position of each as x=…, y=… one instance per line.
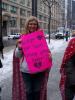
x=7, y=42
x=54, y=76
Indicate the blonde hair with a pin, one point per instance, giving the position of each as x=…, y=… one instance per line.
x=31, y=18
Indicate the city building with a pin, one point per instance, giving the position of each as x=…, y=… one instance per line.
x=69, y=13
x=57, y=15
x=15, y=12
x=73, y=16
x=63, y=13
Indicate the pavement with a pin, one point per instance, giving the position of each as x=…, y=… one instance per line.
x=7, y=42
x=6, y=76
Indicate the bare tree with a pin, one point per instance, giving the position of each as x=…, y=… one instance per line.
x=49, y=4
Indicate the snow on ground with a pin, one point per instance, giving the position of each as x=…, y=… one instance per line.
x=54, y=46
x=57, y=45
x=7, y=63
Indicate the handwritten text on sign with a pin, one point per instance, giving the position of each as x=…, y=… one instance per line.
x=36, y=51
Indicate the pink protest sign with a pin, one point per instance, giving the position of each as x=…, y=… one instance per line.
x=36, y=51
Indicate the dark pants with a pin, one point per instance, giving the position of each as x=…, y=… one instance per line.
x=69, y=92
x=33, y=83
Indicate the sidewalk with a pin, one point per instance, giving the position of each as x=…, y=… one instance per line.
x=6, y=74
x=8, y=53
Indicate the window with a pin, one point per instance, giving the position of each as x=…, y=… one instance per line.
x=44, y=25
x=40, y=17
x=45, y=9
x=13, y=9
x=45, y=19
x=4, y=6
x=13, y=22
x=40, y=23
x=22, y=23
x=28, y=13
x=40, y=6
x=23, y=12
x=28, y=3
x=22, y=2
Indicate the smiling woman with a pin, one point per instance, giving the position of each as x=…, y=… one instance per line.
x=28, y=85
x=32, y=26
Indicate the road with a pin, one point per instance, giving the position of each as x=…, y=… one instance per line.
x=10, y=42
x=53, y=83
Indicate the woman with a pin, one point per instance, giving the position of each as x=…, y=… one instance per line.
x=27, y=86
x=67, y=82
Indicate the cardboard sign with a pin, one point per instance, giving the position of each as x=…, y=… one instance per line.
x=36, y=51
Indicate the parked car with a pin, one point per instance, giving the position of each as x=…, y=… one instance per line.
x=59, y=35
x=14, y=36
x=10, y=36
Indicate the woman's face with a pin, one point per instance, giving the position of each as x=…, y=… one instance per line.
x=32, y=26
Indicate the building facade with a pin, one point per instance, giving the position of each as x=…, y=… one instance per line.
x=57, y=14
x=73, y=16
x=15, y=12
x=69, y=13
x=63, y=13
